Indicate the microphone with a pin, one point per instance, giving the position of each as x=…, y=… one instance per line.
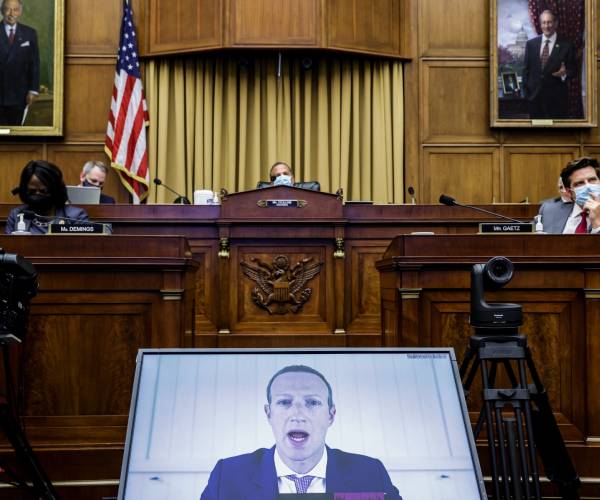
x=448, y=200
x=411, y=192
x=30, y=214
x=180, y=200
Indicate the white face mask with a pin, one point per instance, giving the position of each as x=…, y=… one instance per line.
x=583, y=193
x=283, y=180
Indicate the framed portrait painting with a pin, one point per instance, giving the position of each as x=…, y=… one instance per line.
x=542, y=63
x=31, y=67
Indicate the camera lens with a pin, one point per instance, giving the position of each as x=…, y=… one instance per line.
x=499, y=270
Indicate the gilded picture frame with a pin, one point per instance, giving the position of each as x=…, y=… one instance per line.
x=32, y=56
x=550, y=46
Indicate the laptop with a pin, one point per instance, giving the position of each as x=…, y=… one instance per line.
x=81, y=195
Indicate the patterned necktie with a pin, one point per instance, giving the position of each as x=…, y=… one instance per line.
x=302, y=483
x=11, y=35
x=582, y=227
x=545, y=53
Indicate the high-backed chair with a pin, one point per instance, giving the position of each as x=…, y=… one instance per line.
x=311, y=185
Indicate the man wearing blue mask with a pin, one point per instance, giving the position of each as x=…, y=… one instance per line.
x=581, y=178
x=281, y=174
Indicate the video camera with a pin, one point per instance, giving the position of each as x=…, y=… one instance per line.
x=493, y=275
x=18, y=285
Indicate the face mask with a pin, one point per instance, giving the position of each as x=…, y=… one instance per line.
x=583, y=193
x=88, y=184
x=283, y=180
x=39, y=203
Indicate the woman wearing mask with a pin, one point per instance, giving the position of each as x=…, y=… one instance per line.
x=43, y=192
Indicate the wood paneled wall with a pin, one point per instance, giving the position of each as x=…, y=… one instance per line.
x=364, y=26
x=450, y=146
x=449, y=143
x=91, y=40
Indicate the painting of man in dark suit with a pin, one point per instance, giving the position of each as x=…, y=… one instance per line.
x=548, y=65
x=19, y=64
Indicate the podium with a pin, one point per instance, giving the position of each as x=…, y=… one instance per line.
x=425, y=290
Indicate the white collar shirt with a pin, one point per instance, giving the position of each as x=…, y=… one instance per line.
x=286, y=485
x=574, y=220
x=550, y=45
x=8, y=27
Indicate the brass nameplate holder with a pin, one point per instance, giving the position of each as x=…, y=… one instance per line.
x=282, y=203
x=542, y=123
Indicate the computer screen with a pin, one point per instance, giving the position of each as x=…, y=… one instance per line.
x=392, y=421
x=83, y=195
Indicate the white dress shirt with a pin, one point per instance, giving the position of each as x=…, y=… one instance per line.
x=8, y=28
x=574, y=220
x=550, y=45
x=286, y=485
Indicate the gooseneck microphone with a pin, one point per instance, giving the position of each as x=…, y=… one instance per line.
x=448, y=200
x=411, y=192
x=180, y=200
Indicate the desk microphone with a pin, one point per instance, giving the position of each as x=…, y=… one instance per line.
x=411, y=192
x=448, y=200
x=180, y=200
x=30, y=214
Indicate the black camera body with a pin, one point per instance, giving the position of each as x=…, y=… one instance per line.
x=18, y=285
x=493, y=275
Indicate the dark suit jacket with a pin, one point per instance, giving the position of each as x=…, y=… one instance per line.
x=104, y=198
x=554, y=215
x=70, y=211
x=253, y=477
x=19, y=65
x=538, y=82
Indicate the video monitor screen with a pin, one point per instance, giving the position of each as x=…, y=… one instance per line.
x=333, y=424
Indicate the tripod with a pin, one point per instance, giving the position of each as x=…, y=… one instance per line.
x=18, y=284
x=513, y=440
x=40, y=486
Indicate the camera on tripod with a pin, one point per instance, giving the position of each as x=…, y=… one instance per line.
x=493, y=275
x=18, y=285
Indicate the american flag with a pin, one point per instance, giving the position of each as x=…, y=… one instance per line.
x=125, y=142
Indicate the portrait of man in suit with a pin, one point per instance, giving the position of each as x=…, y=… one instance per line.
x=549, y=63
x=19, y=64
x=300, y=410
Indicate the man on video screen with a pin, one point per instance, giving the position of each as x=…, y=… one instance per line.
x=300, y=411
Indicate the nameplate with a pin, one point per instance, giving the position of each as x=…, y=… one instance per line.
x=542, y=123
x=506, y=227
x=282, y=203
x=83, y=228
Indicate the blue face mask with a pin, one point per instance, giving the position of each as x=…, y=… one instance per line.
x=583, y=193
x=283, y=180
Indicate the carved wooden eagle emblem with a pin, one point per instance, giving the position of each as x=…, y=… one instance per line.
x=281, y=289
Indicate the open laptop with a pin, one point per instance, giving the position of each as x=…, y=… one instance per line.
x=81, y=195
x=404, y=407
